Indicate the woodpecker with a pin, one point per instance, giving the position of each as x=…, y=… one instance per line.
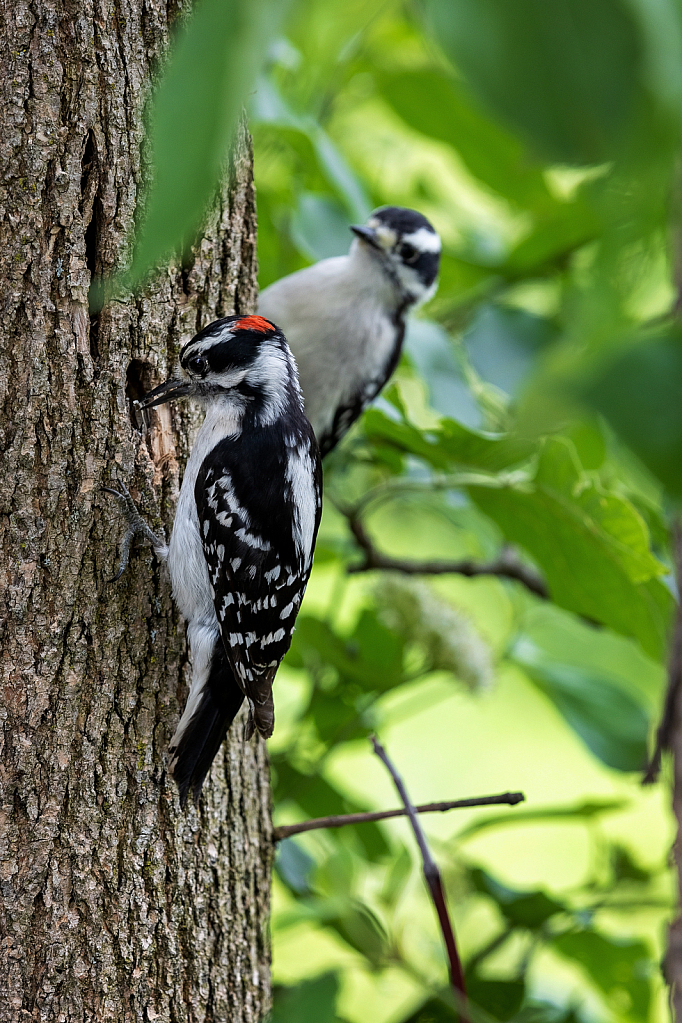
x=344, y=317
x=243, y=537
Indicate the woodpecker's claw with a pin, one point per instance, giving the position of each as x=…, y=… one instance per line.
x=136, y=524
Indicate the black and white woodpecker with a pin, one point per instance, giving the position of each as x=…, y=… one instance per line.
x=243, y=537
x=344, y=317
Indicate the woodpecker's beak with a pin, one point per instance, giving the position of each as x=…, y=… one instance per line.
x=368, y=234
x=165, y=392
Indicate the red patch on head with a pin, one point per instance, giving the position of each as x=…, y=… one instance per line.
x=258, y=323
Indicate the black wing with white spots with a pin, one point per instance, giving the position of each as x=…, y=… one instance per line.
x=259, y=506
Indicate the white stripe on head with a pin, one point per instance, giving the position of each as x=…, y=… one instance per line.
x=423, y=240
x=272, y=370
x=207, y=342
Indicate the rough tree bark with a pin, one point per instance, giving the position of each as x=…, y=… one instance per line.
x=114, y=905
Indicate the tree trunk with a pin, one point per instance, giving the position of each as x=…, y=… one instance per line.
x=114, y=904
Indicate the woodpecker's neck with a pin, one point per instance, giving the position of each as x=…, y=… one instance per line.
x=377, y=269
x=374, y=270
x=225, y=416
x=271, y=386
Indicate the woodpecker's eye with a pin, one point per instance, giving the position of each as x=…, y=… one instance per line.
x=408, y=252
x=198, y=365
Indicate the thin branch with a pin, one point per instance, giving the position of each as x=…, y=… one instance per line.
x=506, y=565
x=340, y=820
x=434, y=882
x=664, y=731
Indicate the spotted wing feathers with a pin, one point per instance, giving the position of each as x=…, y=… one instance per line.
x=258, y=576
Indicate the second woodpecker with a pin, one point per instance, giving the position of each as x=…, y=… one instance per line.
x=344, y=317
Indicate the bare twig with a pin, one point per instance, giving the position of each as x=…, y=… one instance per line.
x=506, y=565
x=434, y=882
x=340, y=820
x=664, y=731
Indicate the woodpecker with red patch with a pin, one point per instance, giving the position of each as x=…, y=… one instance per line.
x=243, y=537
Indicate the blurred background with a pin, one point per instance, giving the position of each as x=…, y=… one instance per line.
x=536, y=416
x=539, y=139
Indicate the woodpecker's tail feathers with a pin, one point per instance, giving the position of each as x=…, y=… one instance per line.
x=198, y=739
x=261, y=719
x=264, y=716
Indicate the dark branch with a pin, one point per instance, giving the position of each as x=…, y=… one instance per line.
x=507, y=565
x=433, y=880
x=340, y=820
x=664, y=732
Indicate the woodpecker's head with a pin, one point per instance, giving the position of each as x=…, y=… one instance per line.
x=408, y=248
x=243, y=361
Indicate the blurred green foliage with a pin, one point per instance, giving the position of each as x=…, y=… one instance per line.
x=537, y=406
x=541, y=140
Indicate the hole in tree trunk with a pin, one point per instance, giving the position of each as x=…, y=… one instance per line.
x=138, y=382
x=93, y=220
x=88, y=163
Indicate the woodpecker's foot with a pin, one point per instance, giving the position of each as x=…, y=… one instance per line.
x=136, y=524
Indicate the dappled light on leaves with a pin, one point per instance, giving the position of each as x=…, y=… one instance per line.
x=518, y=460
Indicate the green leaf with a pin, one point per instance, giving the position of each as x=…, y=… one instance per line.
x=294, y=866
x=336, y=874
x=501, y=998
x=193, y=116
x=548, y=245
x=624, y=867
x=319, y=227
x=547, y=1012
x=435, y=104
x=379, y=648
x=371, y=657
x=489, y=452
x=592, y=545
x=449, y=445
x=379, y=428
x=337, y=715
x=503, y=344
x=315, y=796
x=360, y=927
x=567, y=75
x=397, y=877
x=433, y=1011
x=611, y=723
x=640, y=393
x=311, y=1000
x=431, y=351
x=521, y=909
x=370, y=840
x=583, y=811
x=618, y=967
x=270, y=107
